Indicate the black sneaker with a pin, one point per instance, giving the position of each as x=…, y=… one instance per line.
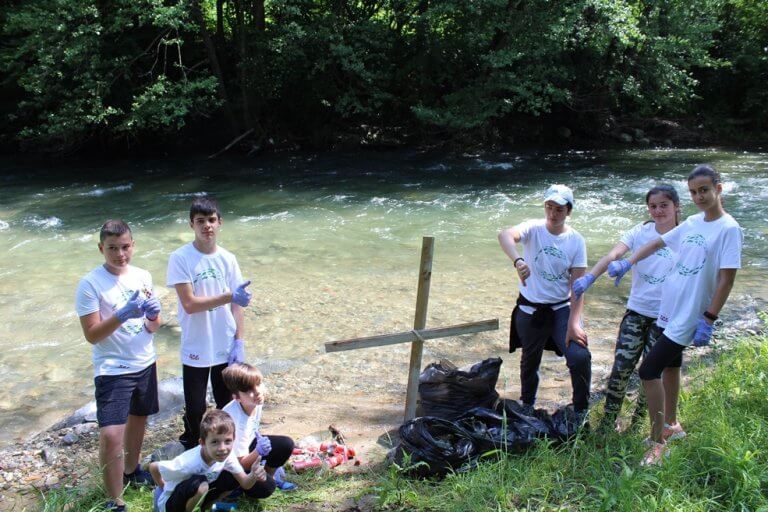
x=138, y=478
x=111, y=506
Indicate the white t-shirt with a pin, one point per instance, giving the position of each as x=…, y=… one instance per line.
x=550, y=258
x=206, y=337
x=246, y=426
x=129, y=348
x=702, y=249
x=191, y=463
x=649, y=274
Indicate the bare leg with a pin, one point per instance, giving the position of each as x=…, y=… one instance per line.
x=134, y=436
x=654, y=392
x=111, y=460
x=198, y=497
x=671, y=380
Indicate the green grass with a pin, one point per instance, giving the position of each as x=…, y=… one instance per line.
x=721, y=466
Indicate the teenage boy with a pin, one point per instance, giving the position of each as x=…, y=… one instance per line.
x=119, y=314
x=211, y=294
x=248, y=395
x=193, y=477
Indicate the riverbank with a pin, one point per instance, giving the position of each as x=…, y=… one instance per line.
x=344, y=389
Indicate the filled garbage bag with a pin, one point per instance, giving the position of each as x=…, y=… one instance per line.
x=433, y=446
x=493, y=431
x=448, y=392
x=565, y=423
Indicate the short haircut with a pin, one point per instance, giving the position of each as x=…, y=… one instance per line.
x=114, y=227
x=204, y=205
x=241, y=377
x=215, y=422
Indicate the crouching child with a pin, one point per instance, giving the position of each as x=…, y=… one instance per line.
x=205, y=473
x=246, y=384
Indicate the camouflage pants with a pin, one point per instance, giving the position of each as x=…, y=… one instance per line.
x=637, y=334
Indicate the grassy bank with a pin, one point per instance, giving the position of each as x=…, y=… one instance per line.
x=721, y=465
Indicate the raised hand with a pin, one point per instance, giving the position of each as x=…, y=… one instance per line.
x=617, y=269
x=241, y=296
x=151, y=308
x=263, y=445
x=131, y=309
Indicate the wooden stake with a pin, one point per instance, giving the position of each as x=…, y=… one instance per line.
x=419, y=323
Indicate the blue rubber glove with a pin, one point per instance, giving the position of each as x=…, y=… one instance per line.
x=237, y=353
x=582, y=284
x=263, y=445
x=151, y=308
x=703, y=333
x=131, y=309
x=617, y=269
x=156, y=498
x=240, y=296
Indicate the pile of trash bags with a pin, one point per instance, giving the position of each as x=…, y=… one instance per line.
x=454, y=434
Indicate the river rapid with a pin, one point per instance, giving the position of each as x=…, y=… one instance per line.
x=331, y=243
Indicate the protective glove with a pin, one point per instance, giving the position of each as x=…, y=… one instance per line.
x=131, y=309
x=582, y=284
x=156, y=498
x=263, y=445
x=617, y=269
x=703, y=333
x=240, y=296
x=151, y=308
x=237, y=353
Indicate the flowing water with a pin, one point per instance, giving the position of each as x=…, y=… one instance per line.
x=331, y=243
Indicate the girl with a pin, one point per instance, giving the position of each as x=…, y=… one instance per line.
x=545, y=317
x=638, y=331
x=708, y=248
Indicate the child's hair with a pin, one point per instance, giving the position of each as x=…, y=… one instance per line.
x=707, y=171
x=241, y=377
x=216, y=421
x=204, y=205
x=114, y=227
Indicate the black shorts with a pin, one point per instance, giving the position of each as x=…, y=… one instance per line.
x=177, y=501
x=117, y=396
x=665, y=353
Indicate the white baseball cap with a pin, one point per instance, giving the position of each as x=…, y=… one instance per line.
x=560, y=194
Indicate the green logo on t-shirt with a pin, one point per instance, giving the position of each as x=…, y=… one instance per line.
x=209, y=273
x=669, y=263
x=549, y=252
x=694, y=247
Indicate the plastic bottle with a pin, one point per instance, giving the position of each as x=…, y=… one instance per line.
x=223, y=507
x=334, y=460
x=301, y=465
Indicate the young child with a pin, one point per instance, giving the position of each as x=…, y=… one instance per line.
x=119, y=314
x=211, y=294
x=194, y=477
x=248, y=395
x=708, y=248
x=545, y=315
x=638, y=330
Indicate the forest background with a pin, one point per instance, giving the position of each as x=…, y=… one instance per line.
x=158, y=75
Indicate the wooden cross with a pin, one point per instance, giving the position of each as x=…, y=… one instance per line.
x=419, y=333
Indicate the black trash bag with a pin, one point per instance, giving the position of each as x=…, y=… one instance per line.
x=536, y=426
x=449, y=392
x=565, y=423
x=493, y=431
x=441, y=446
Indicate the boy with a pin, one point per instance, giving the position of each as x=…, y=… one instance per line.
x=119, y=314
x=211, y=296
x=248, y=394
x=193, y=476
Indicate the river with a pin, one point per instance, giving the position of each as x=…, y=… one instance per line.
x=331, y=242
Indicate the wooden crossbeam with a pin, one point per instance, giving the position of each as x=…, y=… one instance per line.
x=411, y=336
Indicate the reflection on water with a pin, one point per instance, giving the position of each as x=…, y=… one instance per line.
x=331, y=243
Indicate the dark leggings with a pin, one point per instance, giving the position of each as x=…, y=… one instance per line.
x=664, y=354
x=282, y=447
x=195, y=391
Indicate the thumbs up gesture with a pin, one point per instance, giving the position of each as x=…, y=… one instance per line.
x=241, y=296
x=131, y=309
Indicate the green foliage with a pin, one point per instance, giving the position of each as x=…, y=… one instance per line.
x=721, y=465
x=103, y=69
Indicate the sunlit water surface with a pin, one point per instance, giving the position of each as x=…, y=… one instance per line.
x=331, y=243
